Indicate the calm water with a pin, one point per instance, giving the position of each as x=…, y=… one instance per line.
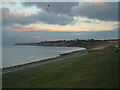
x=15, y=55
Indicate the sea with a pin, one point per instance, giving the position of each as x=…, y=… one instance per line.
x=16, y=55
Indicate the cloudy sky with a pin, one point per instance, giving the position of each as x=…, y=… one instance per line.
x=31, y=22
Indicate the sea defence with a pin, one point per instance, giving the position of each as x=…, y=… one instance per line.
x=64, y=56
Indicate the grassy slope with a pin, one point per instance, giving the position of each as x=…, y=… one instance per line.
x=98, y=69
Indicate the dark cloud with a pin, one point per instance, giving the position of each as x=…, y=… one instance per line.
x=112, y=34
x=9, y=18
x=62, y=13
x=107, y=11
x=55, y=7
x=51, y=18
x=103, y=11
x=45, y=17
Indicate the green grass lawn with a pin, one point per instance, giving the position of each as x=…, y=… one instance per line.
x=98, y=69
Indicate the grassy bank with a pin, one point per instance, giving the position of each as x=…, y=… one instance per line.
x=98, y=69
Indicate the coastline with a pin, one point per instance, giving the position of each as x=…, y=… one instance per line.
x=45, y=61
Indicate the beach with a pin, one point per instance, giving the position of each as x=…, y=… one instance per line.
x=61, y=57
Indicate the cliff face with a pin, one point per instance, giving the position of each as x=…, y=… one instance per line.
x=68, y=43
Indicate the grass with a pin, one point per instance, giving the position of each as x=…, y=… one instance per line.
x=98, y=69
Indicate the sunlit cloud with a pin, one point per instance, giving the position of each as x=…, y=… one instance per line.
x=75, y=27
x=97, y=10
x=24, y=28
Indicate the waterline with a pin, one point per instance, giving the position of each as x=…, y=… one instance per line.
x=16, y=55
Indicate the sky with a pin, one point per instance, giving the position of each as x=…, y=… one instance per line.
x=31, y=22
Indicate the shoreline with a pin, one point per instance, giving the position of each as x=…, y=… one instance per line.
x=45, y=61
